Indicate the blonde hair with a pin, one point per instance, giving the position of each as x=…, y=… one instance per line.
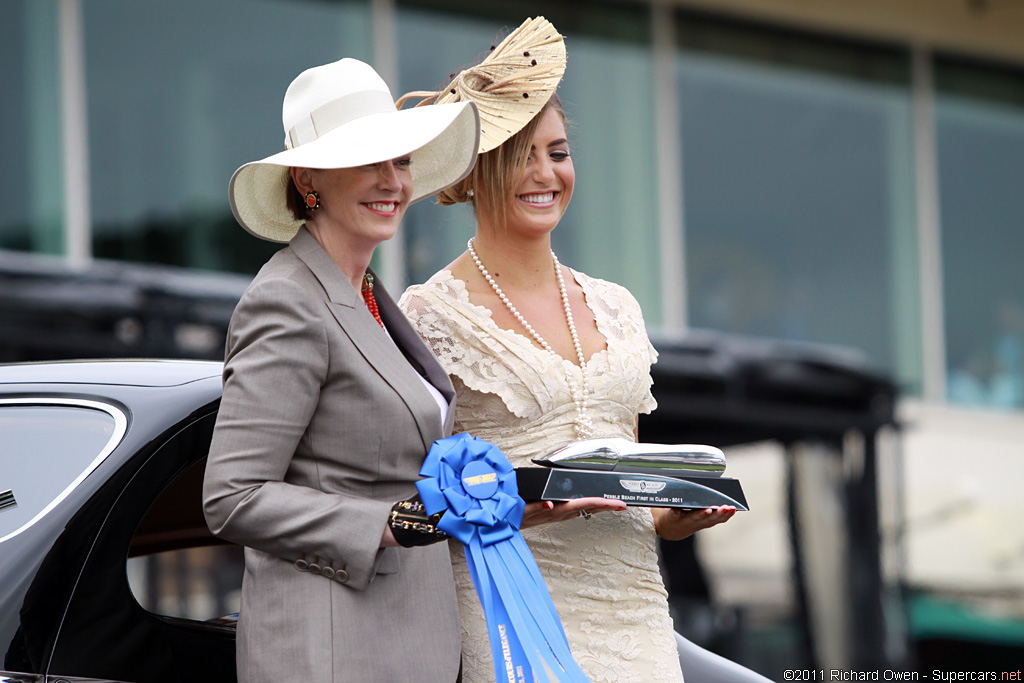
x=499, y=171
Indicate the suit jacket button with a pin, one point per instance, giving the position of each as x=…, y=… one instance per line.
x=315, y=568
x=341, y=575
x=328, y=572
x=302, y=565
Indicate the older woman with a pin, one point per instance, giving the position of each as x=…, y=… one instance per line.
x=541, y=355
x=331, y=400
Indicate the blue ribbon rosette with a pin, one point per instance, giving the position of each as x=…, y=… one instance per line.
x=473, y=482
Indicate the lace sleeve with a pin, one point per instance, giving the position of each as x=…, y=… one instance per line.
x=635, y=317
x=420, y=306
x=451, y=327
x=621, y=318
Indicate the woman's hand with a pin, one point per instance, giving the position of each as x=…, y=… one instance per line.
x=387, y=540
x=545, y=511
x=673, y=524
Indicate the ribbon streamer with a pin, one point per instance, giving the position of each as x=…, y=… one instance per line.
x=473, y=482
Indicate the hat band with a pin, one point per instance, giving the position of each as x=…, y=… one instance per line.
x=335, y=113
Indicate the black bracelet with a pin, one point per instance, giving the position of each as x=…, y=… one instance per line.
x=411, y=526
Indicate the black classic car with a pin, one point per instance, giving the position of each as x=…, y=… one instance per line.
x=107, y=568
x=108, y=571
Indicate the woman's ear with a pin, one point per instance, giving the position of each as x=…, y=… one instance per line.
x=302, y=178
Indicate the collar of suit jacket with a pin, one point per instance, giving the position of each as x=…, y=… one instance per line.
x=339, y=289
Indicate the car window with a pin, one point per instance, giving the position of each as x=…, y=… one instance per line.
x=48, y=447
x=176, y=567
x=203, y=584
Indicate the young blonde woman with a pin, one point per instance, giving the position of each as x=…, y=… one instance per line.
x=541, y=355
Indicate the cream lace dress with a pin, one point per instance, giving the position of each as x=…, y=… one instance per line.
x=603, y=572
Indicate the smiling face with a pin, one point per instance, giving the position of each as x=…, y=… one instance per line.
x=542, y=192
x=546, y=188
x=363, y=205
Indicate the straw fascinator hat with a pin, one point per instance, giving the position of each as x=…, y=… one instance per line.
x=342, y=115
x=511, y=85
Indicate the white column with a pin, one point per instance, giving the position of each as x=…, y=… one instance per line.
x=75, y=132
x=822, y=523
x=926, y=162
x=669, y=152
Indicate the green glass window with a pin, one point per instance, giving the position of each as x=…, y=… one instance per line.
x=798, y=190
x=181, y=93
x=31, y=215
x=979, y=115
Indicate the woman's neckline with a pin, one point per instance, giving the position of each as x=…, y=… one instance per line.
x=485, y=312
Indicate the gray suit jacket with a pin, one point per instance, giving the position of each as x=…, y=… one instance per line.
x=323, y=425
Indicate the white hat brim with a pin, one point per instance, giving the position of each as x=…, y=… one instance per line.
x=441, y=140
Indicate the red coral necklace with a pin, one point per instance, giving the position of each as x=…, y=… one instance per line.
x=371, y=302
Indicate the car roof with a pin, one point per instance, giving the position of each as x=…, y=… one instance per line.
x=127, y=372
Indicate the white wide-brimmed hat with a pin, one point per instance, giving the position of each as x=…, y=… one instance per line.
x=342, y=115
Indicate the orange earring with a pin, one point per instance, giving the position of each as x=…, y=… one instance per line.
x=312, y=200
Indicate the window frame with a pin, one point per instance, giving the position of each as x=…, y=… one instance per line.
x=120, y=429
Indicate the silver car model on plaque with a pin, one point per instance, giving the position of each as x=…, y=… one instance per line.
x=643, y=474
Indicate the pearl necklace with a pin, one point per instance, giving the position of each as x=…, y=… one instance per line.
x=583, y=424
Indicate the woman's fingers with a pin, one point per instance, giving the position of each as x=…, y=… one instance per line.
x=573, y=507
x=716, y=515
x=544, y=512
x=674, y=524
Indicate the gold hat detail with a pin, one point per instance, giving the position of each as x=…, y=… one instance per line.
x=511, y=85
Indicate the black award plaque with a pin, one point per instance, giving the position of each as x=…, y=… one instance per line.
x=648, y=475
